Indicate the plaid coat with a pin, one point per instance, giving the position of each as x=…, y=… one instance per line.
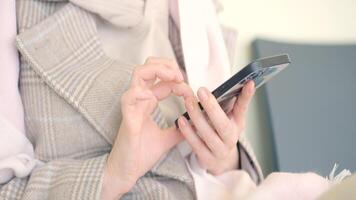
x=71, y=94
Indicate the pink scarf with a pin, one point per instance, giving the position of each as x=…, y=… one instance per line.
x=205, y=56
x=16, y=152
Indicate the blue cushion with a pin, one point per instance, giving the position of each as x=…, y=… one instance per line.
x=312, y=106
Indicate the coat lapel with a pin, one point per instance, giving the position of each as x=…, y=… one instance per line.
x=65, y=51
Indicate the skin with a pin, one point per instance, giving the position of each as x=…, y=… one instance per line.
x=155, y=80
x=214, y=142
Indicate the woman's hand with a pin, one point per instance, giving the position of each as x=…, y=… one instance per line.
x=213, y=136
x=140, y=143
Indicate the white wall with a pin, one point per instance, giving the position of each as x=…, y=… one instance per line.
x=308, y=21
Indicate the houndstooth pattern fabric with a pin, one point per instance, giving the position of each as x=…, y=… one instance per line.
x=71, y=94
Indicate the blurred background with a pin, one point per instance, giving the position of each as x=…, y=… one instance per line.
x=304, y=119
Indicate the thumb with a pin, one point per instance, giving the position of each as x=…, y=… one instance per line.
x=171, y=137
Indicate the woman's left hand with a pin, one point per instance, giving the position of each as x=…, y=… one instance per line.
x=213, y=137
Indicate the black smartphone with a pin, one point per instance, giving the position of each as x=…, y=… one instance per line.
x=260, y=71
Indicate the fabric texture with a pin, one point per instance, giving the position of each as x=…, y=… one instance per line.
x=277, y=186
x=16, y=152
x=344, y=190
x=205, y=57
x=66, y=79
x=10, y=106
x=229, y=185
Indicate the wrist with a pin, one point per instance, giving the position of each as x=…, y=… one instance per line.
x=113, y=187
x=231, y=162
x=108, y=191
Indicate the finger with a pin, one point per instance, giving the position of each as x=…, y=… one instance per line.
x=131, y=98
x=205, y=131
x=198, y=146
x=150, y=72
x=171, y=137
x=218, y=117
x=243, y=101
x=168, y=62
x=164, y=89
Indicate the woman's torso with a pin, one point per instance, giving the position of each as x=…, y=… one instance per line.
x=71, y=90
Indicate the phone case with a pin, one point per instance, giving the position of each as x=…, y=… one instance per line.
x=260, y=71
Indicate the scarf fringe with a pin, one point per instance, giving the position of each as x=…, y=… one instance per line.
x=335, y=179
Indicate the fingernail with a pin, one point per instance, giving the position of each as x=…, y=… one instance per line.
x=252, y=88
x=189, y=104
x=203, y=94
x=182, y=121
x=249, y=87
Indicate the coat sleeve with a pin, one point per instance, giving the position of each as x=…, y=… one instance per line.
x=248, y=160
x=59, y=179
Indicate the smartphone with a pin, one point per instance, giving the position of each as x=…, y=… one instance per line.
x=260, y=71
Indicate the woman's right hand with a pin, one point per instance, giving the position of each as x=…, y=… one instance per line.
x=140, y=142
